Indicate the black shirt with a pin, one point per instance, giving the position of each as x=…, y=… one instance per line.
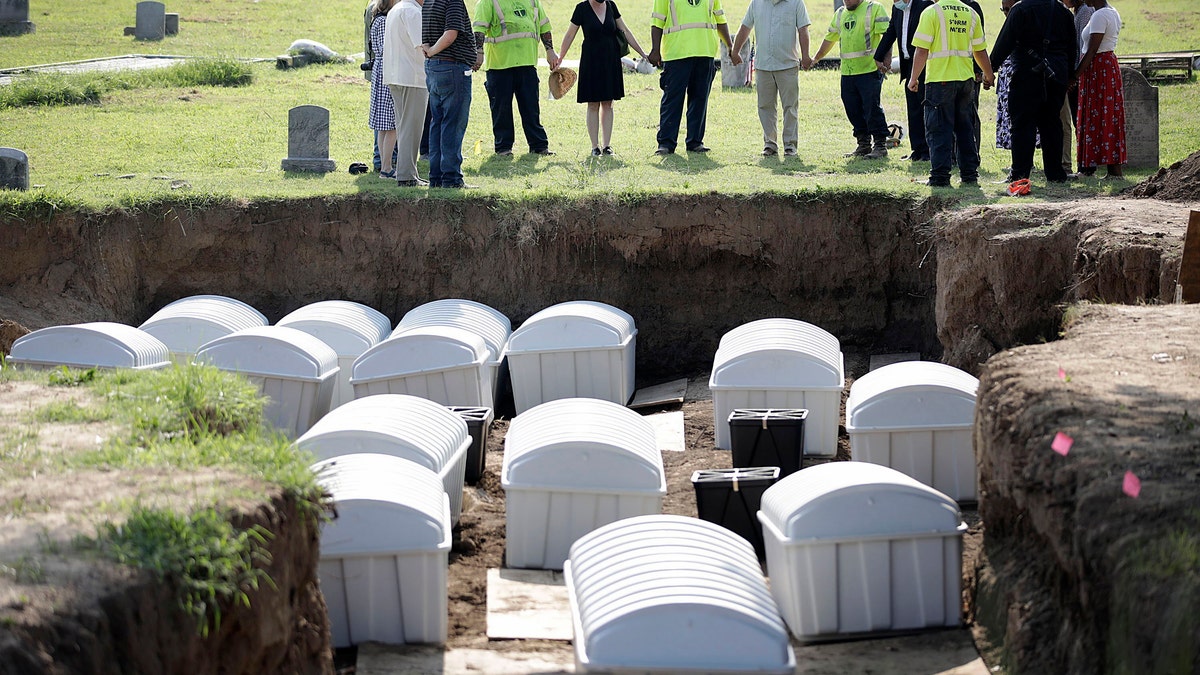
x=1029, y=24
x=439, y=16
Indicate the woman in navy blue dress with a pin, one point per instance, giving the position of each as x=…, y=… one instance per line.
x=601, y=79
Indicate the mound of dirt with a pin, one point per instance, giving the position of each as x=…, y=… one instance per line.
x=1178, y=182
x=10, y=332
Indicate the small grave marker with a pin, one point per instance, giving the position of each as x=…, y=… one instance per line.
x=14, y=169
x=308, y=140
x=1141, y=120
x=171, y=26
x=151, y=21
x=14, y=18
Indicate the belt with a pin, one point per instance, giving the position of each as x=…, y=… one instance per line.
x=443, y=58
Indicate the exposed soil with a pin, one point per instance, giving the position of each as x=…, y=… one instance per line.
x=1178, y=182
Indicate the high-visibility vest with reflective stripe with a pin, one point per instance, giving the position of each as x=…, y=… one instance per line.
x=855, y=31
x=510, y=39
x=689, y=29
x=952, y=32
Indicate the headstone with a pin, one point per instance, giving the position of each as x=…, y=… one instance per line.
x=172, y=23
x=151, y=21
x=14, y=17
x=14, y=169
x=308, y=140
x=735, y=76
x=1141, y=120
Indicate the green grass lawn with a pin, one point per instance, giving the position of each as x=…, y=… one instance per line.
x=227, y=142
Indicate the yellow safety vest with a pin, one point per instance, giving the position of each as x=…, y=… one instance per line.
x=858, y=57
x=691, y=38
x=958, y=33
x=503, y=49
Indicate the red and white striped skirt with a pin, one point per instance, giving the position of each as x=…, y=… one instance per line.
x=1101, y=118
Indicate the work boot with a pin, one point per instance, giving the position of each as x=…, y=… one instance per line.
x=863, y=149
x=880, y=149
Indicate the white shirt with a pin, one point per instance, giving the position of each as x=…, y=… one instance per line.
x=403, y=62
x=1106, y=20
x=776, y=24
x=903, y=37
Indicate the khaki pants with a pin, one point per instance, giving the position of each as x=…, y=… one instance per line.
x=1067, y=155
x=410, y=105
x=784, y=85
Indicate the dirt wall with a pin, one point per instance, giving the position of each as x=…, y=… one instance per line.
x=688, y=268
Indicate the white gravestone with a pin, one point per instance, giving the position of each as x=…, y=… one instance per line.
x=14, y=169
x=308, y=140
x=1141, y=120
x=151, y=21
x=14, y=17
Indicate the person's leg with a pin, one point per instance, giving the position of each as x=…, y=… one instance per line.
x=788, y=84
x=425, y=129
x=1050, y=127
x=525, y=86
x=458, y=111
x=852, y=103
x=387, y=149
x=1064, y=120
x=939, y=127
x=1023, y=105
x=915, y=101
x=768, y=91
x=871, y=87
x=966, y=127
x=700, y=80
x=673, y=82
x=376, y=161
x=593, y=123
x=499, y=86
x=606, y=123
x=435, y=81
x=411, y=103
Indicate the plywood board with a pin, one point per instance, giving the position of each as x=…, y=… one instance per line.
x=668, y=430
x=1189, y=267
x=527, y=604
x=659, y=394
x=881, y=360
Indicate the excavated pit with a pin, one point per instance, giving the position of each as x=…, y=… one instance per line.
x=883, y=273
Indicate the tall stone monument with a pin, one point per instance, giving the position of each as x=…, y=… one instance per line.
x=151, y=21
x=14, y=17
x=308, y=140
x=1141, y=120
x=14, y=169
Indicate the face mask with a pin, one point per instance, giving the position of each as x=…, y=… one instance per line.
x=900, y=6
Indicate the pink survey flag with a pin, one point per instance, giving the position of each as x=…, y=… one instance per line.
x=1062, y=374
x=1062, y=443
x=1132, y=485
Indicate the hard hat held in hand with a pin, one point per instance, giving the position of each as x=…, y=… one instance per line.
x=561, y=81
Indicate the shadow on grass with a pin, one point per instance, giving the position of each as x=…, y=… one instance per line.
x=686, y=163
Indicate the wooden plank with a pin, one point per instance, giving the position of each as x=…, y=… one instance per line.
x=527, y=604
x=1189, y=266
x=660, y=394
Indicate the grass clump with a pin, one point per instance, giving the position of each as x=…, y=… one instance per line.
x=65, y=89
x=213, y=561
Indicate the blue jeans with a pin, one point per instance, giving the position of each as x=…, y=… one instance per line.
x=951, y=118
x=692, y=76
x=860, y=97
x=449, y=85
x=502, y=86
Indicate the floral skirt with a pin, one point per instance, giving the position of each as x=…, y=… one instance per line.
x=1101, y=118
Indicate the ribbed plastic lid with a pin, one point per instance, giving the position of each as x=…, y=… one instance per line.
x=582, y=443
x=841, y=500
x=632, y=577
x=188, y=323
x=781, y=325
x=276, y=351
x=403, y=426
x=384, y=505
x=347, y=327
x=912, y=394
x=777, y=359
x=573, y=325
x=417, y=350
x=99, y=344
x=469, y=315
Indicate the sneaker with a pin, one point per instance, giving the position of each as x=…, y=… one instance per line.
x=699, y=147
x=789, y=152
x=608, y=150
x=459, y=186
x=595, y=152
x=416, y=182
x=664, y=150
x=934, y=183
x=504, y=153
x=544, y=152
x=769, y=152
x=390, y=174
